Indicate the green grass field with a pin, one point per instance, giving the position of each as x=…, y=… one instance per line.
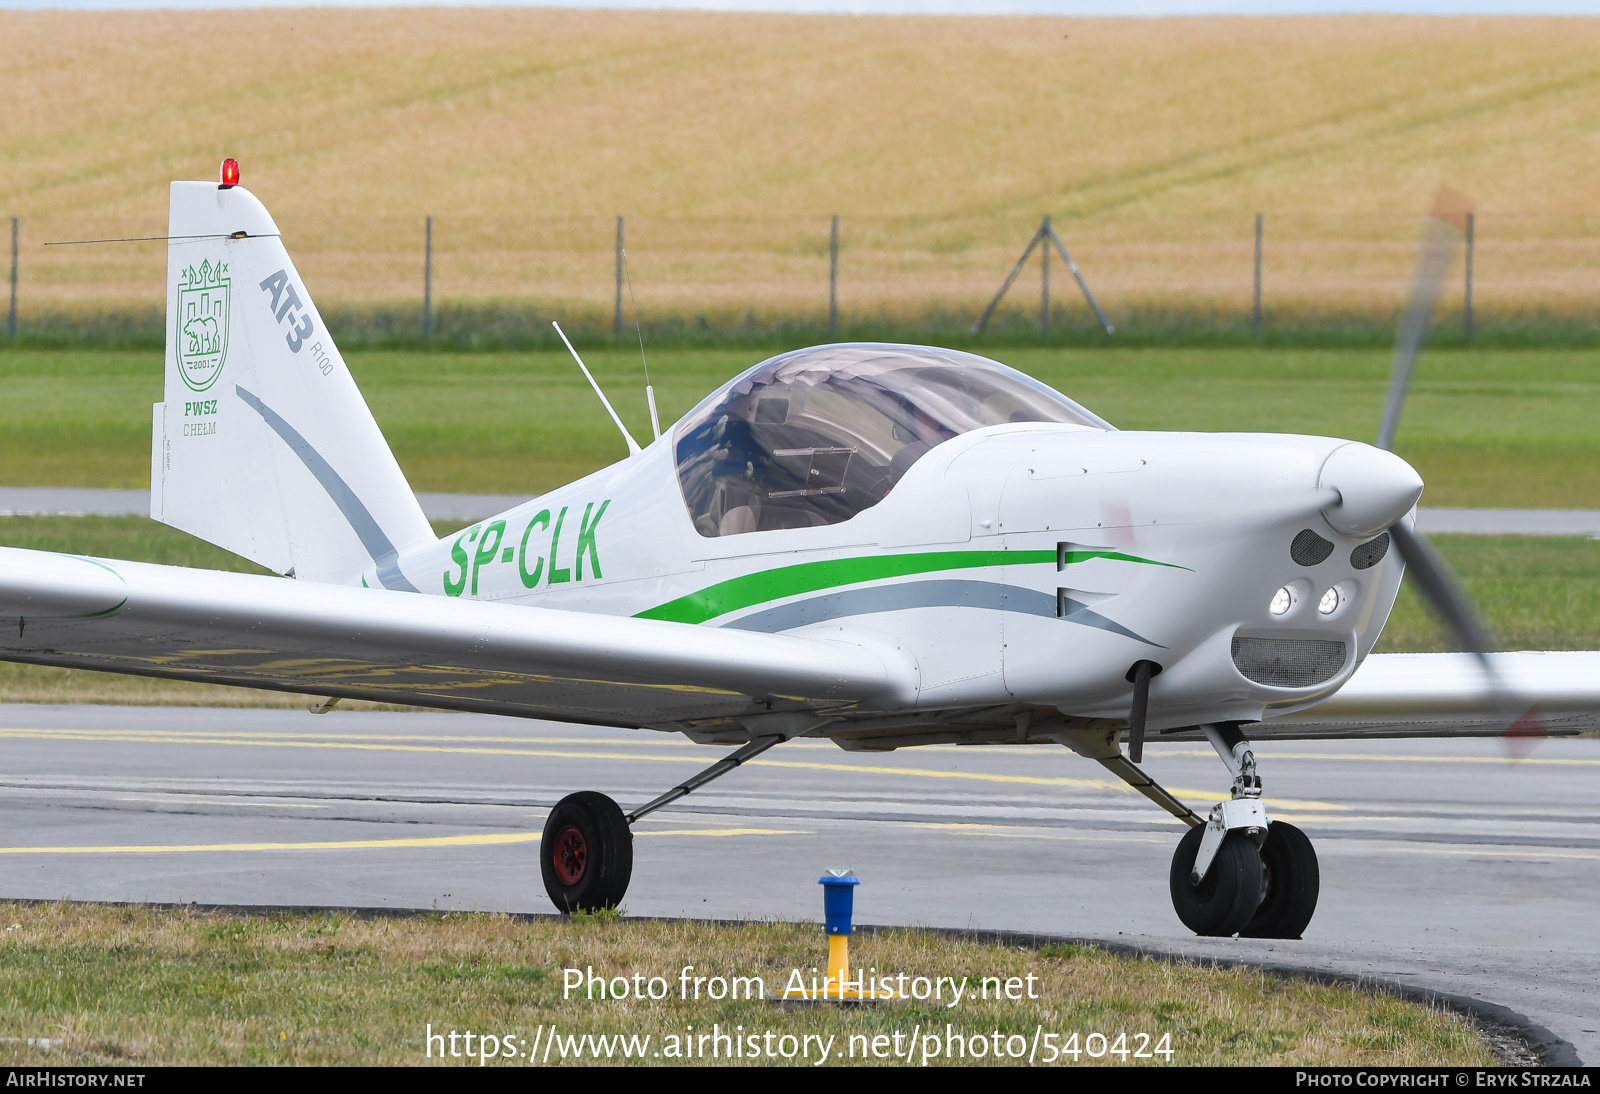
x=141, y=986
x=1512, y=428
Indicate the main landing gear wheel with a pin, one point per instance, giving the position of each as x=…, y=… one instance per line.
x=1228, y=896
x=586, y=853
x=1292, y=884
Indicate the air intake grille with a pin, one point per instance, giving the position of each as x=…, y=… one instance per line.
x=1288, y=662
x=1370, y=553
x=1309, y=549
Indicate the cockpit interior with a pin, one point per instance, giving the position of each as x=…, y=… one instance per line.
x=815, y=436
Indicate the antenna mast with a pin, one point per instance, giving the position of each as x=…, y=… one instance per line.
x=633, y=445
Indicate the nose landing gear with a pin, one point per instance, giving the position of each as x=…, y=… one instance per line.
x=1241, y=872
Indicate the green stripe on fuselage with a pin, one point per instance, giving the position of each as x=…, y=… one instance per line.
x=809, y=577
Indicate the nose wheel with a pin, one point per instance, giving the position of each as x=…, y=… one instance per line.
x=1223, y=901
x=1240, y=872
x=1291, y=882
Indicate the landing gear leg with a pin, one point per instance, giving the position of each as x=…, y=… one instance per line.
x=586, y=853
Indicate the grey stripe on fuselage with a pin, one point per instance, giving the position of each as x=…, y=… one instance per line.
x=360, y=517
x=925, y=594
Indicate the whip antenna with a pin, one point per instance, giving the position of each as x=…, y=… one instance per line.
x=649, y=392
x=633, y=445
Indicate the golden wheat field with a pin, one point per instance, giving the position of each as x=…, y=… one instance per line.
x=728, y=140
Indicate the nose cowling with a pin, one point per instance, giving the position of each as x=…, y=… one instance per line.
x=1375, y=488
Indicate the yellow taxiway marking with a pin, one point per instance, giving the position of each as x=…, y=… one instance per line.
x=560, y=754
x=222, y=801
x=725, y=832
x=1263, y=751
x=217, y=736
x=256, y=741
x=1272, y=803
x=214, y=736
x=1021, y=832
x=565, y=754
x=1490, y=851
x=332, y=740
x=372, y=844
x=320, y=845
x=1324, y=818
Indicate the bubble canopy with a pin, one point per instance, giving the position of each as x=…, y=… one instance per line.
x=815, y=436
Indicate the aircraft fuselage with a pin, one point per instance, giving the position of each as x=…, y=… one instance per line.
x=1030, y=563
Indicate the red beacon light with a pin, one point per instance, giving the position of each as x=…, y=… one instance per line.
x=230, y=174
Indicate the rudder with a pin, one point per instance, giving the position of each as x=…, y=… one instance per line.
x=264, y=445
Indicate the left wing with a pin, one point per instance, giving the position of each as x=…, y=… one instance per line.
x=278, y=634
x=1554, y=694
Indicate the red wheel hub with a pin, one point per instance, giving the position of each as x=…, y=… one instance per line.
x=570, y=855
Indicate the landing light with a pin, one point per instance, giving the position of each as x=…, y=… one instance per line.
x=1330, y=601
x=1282, y=601
x=230, y=173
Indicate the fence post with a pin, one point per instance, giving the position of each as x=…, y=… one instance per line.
x=616, y=319
x=1044, y=280
x=11, y=320
x=1255, y=305
x=1466, y=310
x=833, y=281
x=427, y=284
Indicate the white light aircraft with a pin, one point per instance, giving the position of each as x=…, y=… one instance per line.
x=880, y=545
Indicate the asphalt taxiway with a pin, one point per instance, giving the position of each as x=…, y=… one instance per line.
x=1446, y=864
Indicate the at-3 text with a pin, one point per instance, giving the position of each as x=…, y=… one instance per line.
x=285, y=306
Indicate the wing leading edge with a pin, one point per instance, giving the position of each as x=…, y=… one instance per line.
x=1447, y=695
x=267, y=632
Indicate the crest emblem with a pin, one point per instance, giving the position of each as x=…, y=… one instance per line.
x=202, y=334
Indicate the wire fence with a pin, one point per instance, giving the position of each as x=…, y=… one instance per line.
x=784, y=269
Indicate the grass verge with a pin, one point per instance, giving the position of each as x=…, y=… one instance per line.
x=1485, y=428
x=498, y=328
x=1534, y=592
x=137, y=985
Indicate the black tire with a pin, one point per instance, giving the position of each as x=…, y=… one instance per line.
x=1230, y=893
x=586, y=853
x=1292, y=884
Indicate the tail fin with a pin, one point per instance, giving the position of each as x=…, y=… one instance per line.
x=264, y=445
